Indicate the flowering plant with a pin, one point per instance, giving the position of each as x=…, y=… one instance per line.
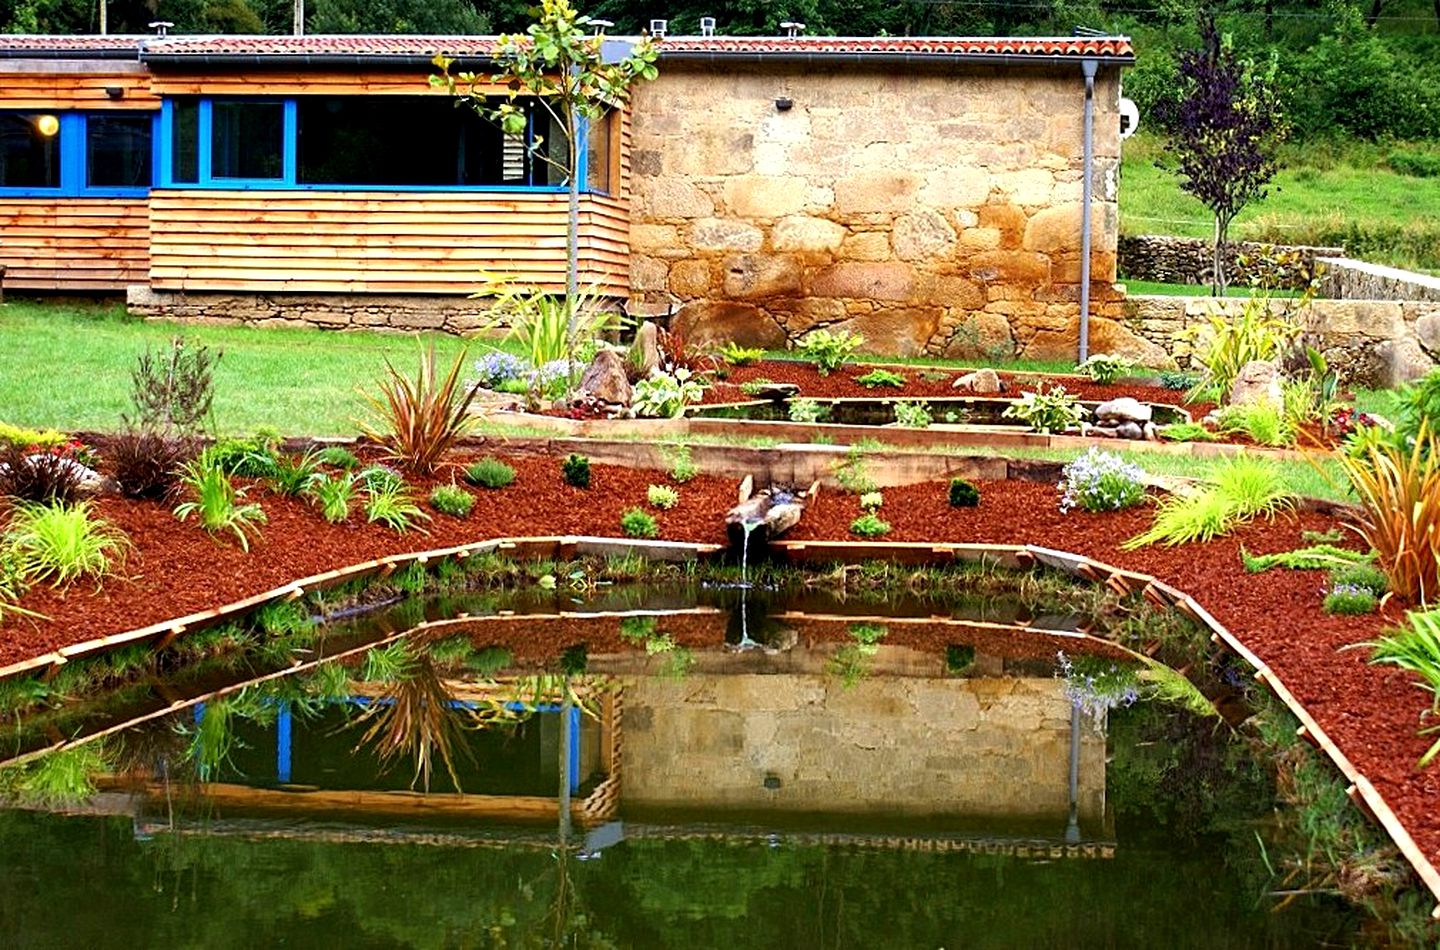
x=1097, y=685
x=498, y=367
x=1101, y=481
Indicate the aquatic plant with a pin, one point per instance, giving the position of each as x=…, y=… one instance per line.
x=216, y=502
x=63, y=777
x=1101, y=481
x=61, y=543
x=490, y=473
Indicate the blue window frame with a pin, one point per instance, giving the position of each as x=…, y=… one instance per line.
x=344, y=144
x=77, y=154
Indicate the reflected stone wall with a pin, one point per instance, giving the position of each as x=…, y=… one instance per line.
x=982, y=747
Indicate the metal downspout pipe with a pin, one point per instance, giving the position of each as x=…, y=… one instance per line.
x=1089, y=68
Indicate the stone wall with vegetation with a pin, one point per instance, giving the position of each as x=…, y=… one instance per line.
x=1369, y=342
x=322, y=311
x=1347, y=279
x=931, y=211
x=1180, y=260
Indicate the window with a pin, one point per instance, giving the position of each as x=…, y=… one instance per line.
x=29, y=150
x=117, y=151
x=248, y=140
x=185, y=142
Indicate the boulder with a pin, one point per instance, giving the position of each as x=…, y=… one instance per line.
x=982, y=382
x=1124, y=409
x=605, y=378
x=645, y=351
x=1129, y=430
x=1258, y=381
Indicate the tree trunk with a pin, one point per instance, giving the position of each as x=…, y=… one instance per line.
x=1217, y=277
x=572, y=247
x=1374, y=14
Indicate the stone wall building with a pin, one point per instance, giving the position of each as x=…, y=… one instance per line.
x=926, y=193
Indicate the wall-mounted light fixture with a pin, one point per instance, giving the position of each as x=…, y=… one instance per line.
x=784, y=103
x=47, y=125
x=115, y=92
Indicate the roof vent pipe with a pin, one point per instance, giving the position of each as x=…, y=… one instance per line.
x=792, y=28
x=658, y=28
x=161, y=27
x=601, y=26
x=707, y=26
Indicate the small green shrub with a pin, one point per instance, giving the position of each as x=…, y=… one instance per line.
x=1187, y=432
x=664, y=395
x=1105, y=368
x=576, y=471
x=881, y=377
x=392, y=506
x=1178, y=380
x=1364, y=575
x=490, y=473
x=808, y=410
x=737, y=355
x=869, y=525
x=913, y=415
x=662, y=496
x=963, y=494
x=638, y=523
x=1047, y=410
x=868, y=633
x=1348, y=601
x=61, y=543
x=23, y=438
x=333, y=496
x=381, y=478
x=1414, y=164
x=216, y=502
x=254, y=457
x=829, y=351
x=682, y=463
x=452, y=500
x=338, y=456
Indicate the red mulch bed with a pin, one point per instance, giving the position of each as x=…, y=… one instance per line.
x=1371, y=713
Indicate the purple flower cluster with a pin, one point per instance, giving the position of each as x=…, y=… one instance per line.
x=1101, y=481
x=1097, y=686
x=498, y=367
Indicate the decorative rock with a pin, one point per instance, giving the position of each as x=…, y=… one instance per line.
x=88, y=481
x=605, y=379
x=1123, y=409
x=1129, y=430
x=1152, y=433
x=1258, y=381
x=646, y=348
x=984, y=382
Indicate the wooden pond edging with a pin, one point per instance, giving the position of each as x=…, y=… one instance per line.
x=1360, y=790
x=1019, y=557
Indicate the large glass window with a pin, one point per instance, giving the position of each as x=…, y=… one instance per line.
x=29, y=150
x=117, y=151
x=185, y=142
x=400, y=140
x=248, y=140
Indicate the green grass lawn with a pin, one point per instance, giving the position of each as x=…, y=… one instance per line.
x=1319, y=197
x=68, y=367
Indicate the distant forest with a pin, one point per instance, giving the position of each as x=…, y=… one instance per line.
x=1368, y=70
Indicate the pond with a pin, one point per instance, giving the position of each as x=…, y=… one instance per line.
x=681, y=766
x=960, y=410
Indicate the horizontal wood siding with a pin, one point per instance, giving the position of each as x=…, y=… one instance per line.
x=69, y=89
x=353, y=242
x=74, y=244
x=274, y=83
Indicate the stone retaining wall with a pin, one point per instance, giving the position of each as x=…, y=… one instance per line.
x=1348, y=279
x=322, y=311
x=1178, y=260
x=1369, y=342
x=931, y=211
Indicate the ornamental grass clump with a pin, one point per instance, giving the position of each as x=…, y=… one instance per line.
x=1101, y=481
x=147, y=464
x=61, y=543
x=1398, y=490
x=337, y=456
x=393, y=507
x=216, y=503
x=489, y=473
x=419, y=420
x=333, y=496
x=1241, y=489
x=293, y=474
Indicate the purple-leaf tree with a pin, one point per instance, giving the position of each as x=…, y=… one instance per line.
x=1223, y=124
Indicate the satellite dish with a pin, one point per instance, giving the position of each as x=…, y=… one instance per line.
x=1129, y=118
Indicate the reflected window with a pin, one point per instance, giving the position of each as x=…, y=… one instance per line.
x=117, y=151
x=29, y=150
x=248, y=140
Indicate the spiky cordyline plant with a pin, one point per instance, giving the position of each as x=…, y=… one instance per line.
x=1399, y=494
x=418, y=420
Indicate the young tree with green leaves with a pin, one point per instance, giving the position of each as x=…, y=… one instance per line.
x=577, y=78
